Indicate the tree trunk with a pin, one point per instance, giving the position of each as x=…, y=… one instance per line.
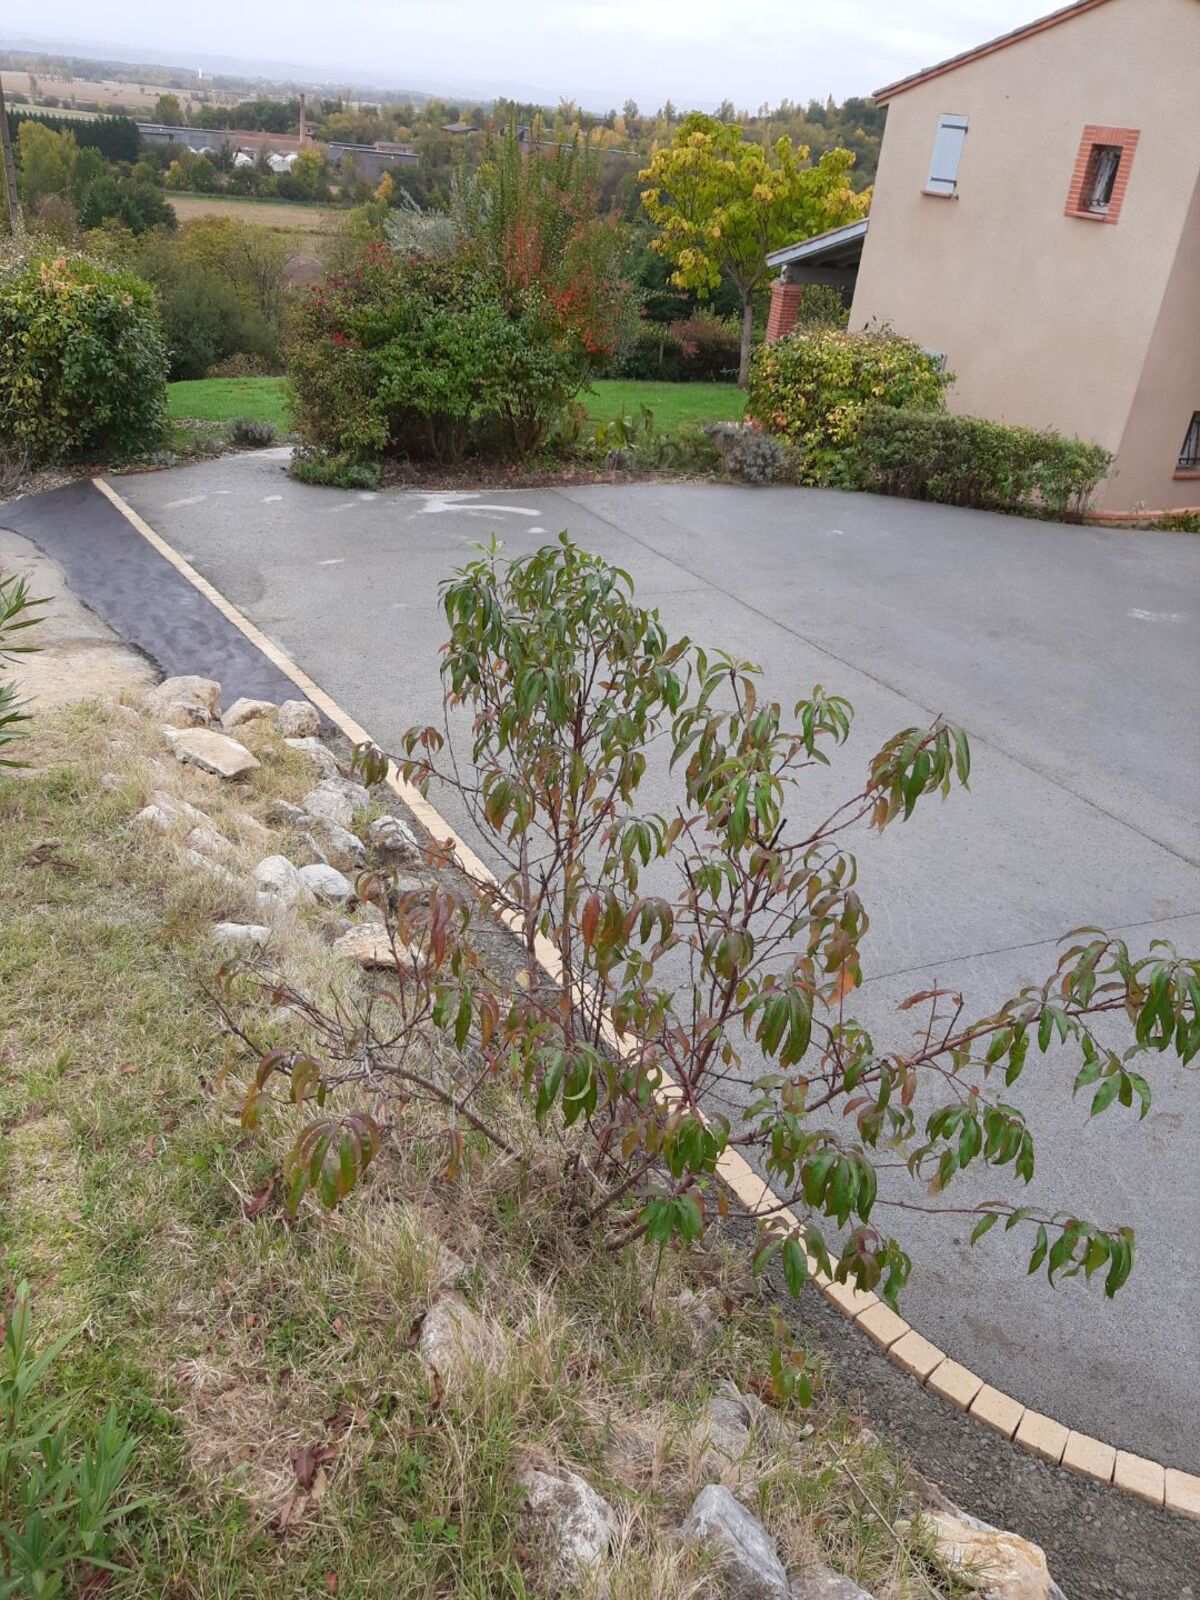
x=15, y=220
x=747, y=336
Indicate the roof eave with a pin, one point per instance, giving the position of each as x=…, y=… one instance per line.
x=1040, y=25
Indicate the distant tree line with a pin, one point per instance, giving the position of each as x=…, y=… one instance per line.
x=116, y=138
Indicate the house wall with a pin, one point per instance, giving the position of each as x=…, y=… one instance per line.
x=1168, y=393
x=1045, y=319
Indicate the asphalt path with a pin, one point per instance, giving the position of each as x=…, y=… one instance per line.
x=1072, y=657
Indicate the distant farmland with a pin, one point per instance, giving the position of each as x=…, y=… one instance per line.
x=112, y=95
x=281, y=214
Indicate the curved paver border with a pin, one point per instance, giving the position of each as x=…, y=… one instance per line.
x=904, y=1347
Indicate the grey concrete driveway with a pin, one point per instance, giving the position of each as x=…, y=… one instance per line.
x=1072, y=657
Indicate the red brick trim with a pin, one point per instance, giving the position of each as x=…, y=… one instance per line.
x=1066, y=14
x=1094, y=134
x=785, y=303
x=1185, y=477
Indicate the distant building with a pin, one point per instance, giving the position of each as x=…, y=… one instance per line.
x=458, y=127
x=372, y=160
x=209, y=141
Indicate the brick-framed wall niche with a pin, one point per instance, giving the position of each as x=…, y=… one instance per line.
x=1096, y=154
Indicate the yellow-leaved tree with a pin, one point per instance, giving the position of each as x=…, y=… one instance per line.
x=723, y=203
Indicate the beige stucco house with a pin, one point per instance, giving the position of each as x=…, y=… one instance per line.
x=1036, y=219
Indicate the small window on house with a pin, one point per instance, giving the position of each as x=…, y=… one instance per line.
x=1189, y=456
x=1101, y=176
x=1103, y=166
x=947, y=151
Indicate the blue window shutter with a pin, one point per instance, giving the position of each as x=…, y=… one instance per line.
x=947, y=150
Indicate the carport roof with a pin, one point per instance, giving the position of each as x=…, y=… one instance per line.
x=839, y=247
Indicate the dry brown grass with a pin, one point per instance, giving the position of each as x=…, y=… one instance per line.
x=278, y=214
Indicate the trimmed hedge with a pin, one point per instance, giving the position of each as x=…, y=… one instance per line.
x=701, y=348
x=967, y=461
x=812, y=387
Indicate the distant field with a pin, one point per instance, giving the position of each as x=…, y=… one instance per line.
x=281, y=214
x=112, y=94
x=673, y=404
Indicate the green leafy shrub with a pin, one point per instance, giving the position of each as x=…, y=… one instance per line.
x=1179, y=522
x=61, y=1496
x=333, y=471
x=138, y=206
x=224, y=293
x=426, y=359
x=251, y=432
x=83, y=365
x=702, y=348
x=967, y=461
x=812, y=387
x=822, y=305
x=205, y=322
x=654, y=354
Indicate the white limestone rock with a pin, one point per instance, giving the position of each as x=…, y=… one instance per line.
x=739, y=1544
x=393, y=836
x=319, y=754
x=454, y=1339
x=296, y=719
x=328, y=803
x=168, y=811
x=368, y=944
x=236, y=938
x=999, y=1565
x=186, y=702
x=208, y=842
x=280, y=885
x=212, y=752
x=327, y=883
x=576, y=1523
x=339, y=847
x=244, y=710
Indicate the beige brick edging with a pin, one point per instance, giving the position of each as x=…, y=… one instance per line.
x=906, y=1348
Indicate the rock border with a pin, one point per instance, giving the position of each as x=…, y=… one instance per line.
x=1044, y=1436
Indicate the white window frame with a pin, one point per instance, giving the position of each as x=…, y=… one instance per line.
x=947, y=153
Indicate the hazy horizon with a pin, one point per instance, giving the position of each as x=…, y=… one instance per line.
x=596, y=52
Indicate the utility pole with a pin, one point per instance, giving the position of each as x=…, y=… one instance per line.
x=15, y=220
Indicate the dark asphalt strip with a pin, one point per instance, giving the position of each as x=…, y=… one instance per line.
x=130, y=586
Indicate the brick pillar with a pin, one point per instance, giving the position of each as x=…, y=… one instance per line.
x=785, y=302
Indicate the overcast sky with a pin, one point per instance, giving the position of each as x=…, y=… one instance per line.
x=696, y=52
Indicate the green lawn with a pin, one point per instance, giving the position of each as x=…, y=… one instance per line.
x=220, y=399
x=673, y=404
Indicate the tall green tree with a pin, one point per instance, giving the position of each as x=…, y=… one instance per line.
x=168, y=111
x=45, y=162
x=722, y=203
